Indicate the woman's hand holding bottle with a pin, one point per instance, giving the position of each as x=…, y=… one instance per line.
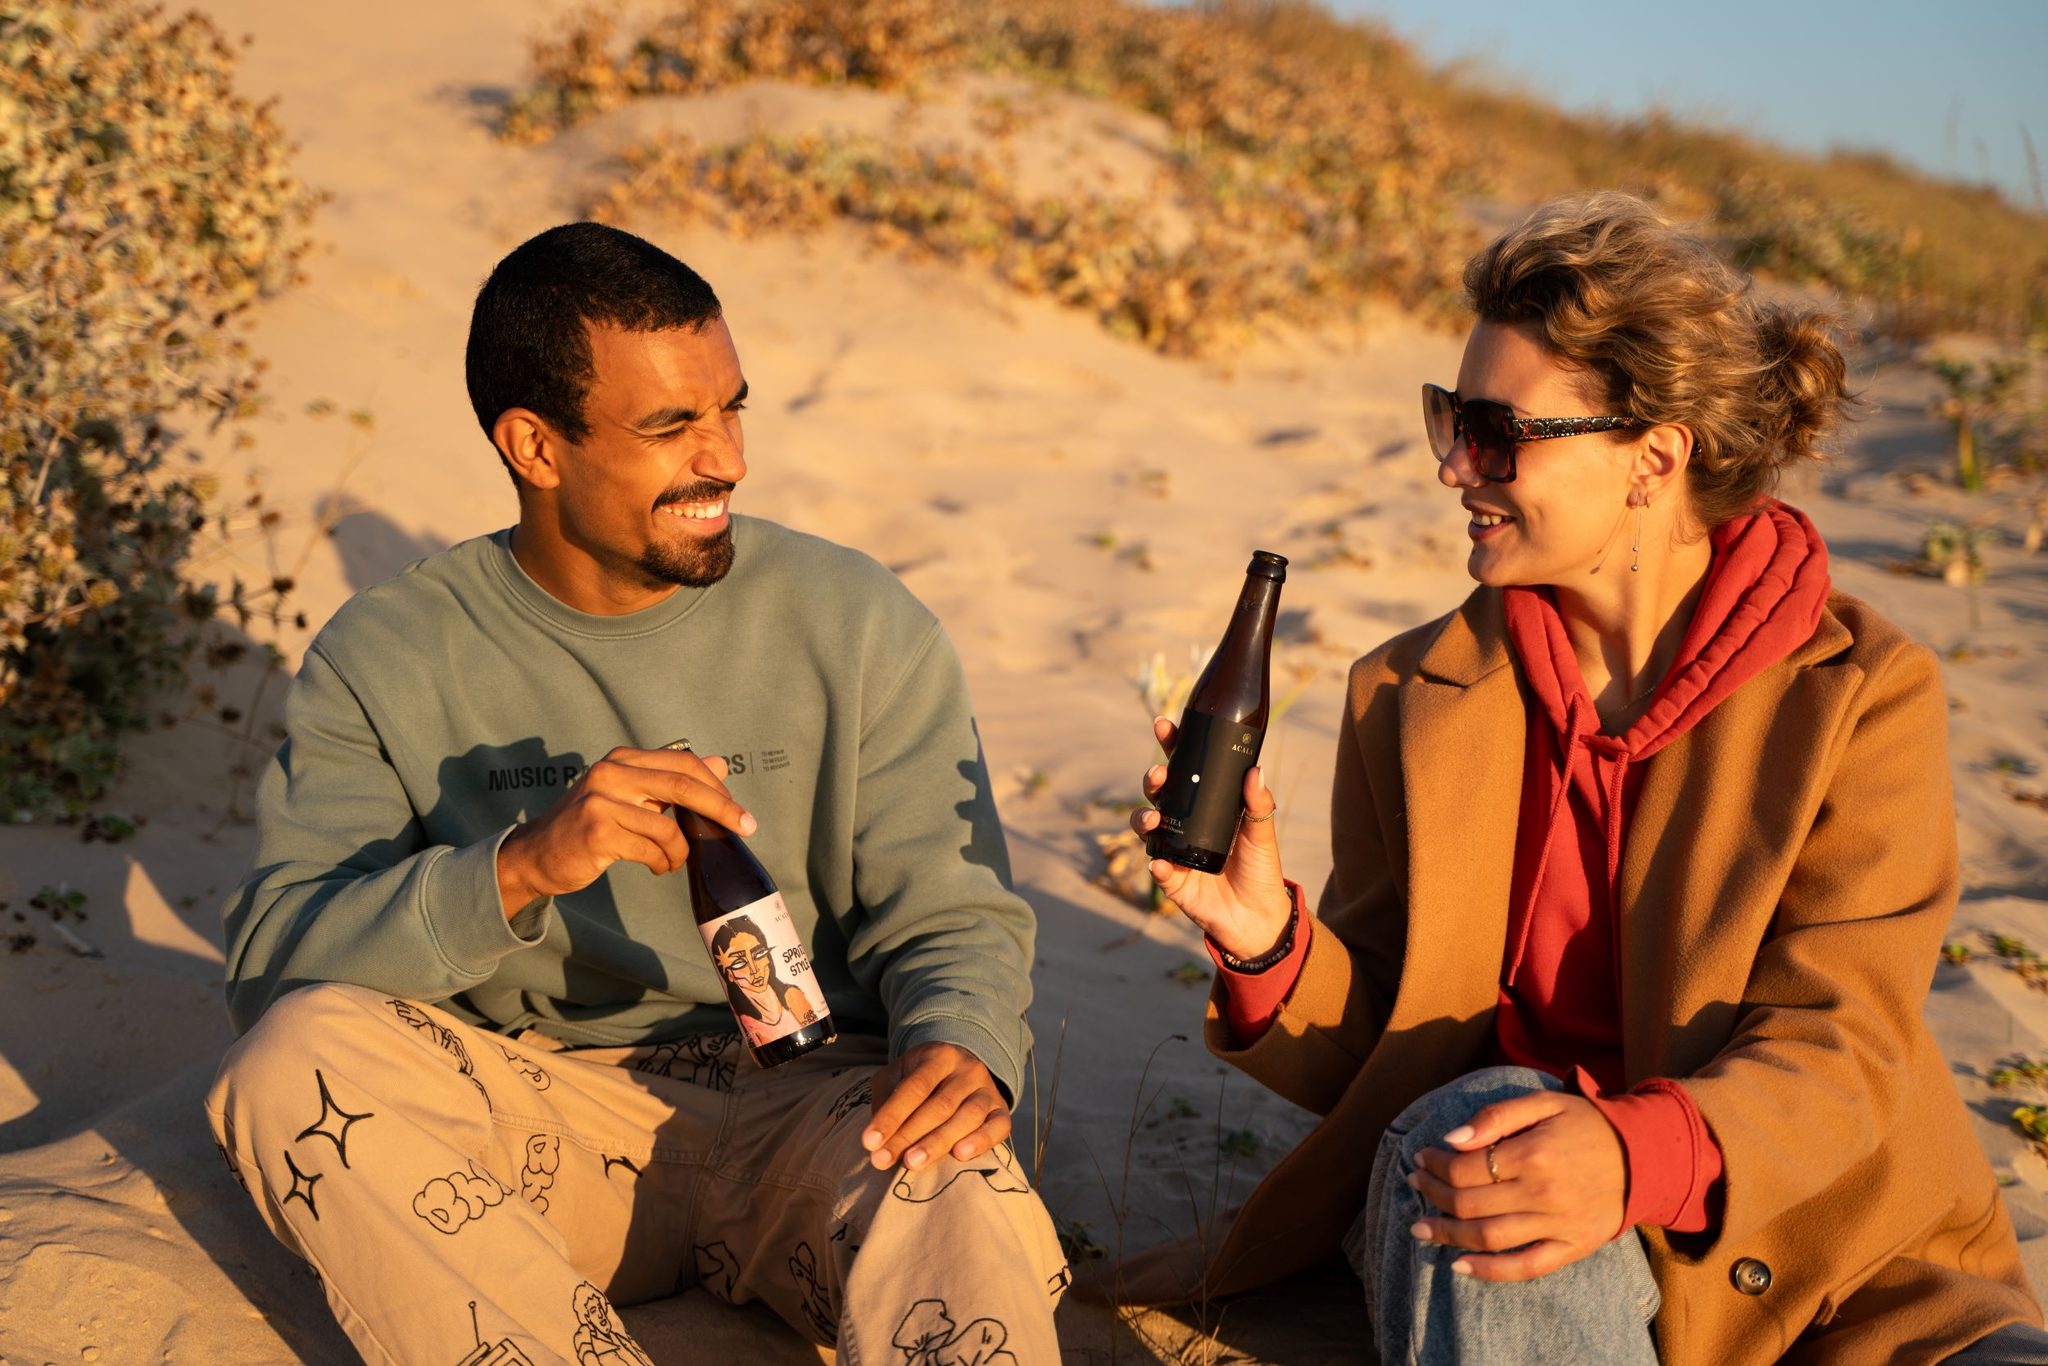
x=1244, y=909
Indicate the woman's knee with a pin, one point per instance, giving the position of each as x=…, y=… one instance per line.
x=1424, y=1123
x=1390, y=1205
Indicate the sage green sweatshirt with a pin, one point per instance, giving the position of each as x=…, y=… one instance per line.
x=439, y=709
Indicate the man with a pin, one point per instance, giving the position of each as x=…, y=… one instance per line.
x=486, y=1056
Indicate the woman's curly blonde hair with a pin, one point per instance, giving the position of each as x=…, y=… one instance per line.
x=1665, y=331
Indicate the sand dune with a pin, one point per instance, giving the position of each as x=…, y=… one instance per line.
x=1068, y=503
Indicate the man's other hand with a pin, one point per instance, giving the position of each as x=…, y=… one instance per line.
x=936, y=1098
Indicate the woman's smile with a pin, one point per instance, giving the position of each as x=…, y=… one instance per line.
x=1486, y=522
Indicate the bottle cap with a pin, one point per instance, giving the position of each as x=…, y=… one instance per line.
x=1267, y=565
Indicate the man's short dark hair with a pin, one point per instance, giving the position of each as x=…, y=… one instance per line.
x=528, y=347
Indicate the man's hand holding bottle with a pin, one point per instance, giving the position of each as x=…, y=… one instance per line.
x=614, y=813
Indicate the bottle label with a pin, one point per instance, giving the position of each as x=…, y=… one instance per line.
x=768, y=979
x=1204, y=793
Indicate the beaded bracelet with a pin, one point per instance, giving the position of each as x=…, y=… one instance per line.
x=1265, y=960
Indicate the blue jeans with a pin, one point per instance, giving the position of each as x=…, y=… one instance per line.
x=1594, y=1312
x=2016, y=1344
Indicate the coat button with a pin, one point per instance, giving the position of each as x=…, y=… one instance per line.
x=1751, y=1276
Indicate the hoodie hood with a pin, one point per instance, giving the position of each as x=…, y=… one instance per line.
x=1763, y=597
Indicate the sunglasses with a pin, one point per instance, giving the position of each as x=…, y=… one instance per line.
x=1490, y=431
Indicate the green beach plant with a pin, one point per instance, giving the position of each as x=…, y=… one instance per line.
x=2023, y=1075
x=1974, y=394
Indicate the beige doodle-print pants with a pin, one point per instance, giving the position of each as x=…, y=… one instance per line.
x=470, y=1199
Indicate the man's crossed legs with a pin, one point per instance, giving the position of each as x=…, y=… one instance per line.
x=476, y=1200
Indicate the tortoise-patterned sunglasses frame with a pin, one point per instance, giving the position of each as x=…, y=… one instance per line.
x=1499, y=431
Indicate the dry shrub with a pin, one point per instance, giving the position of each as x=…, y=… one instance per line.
x=1927, y=254
x=1327, y=142
x=1310, y=188
x=144, y=205
x=711, y=43
x=1285, y=133
x=1093, y=254
x=1767, y=226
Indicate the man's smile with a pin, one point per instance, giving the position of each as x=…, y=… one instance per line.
x=696, y=512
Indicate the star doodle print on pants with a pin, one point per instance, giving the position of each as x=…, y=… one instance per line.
x=333, y=1124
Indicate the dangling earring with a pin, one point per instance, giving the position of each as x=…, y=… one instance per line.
x=1637, y=548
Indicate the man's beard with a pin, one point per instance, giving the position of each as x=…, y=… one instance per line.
x=691, y=561
x=695, y=563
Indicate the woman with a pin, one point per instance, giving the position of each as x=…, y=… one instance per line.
x=1642, y=860
x=758, y=997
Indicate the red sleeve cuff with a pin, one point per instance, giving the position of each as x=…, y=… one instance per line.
x=1674, y=1165
x=1252, y=1000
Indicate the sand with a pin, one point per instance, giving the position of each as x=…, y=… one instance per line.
x=1069, y=505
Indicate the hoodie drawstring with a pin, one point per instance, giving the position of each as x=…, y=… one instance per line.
x=1611, y=790
x=1576, y=734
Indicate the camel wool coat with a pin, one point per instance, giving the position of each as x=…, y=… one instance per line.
x=1790, y=871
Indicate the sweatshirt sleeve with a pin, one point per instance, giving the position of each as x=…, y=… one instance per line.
x=941, y=937
x=343, y=886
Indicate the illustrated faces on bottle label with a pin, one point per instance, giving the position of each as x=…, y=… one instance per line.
x=768, y=977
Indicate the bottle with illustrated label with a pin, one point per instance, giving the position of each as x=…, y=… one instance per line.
x=769, y=984
x=1221, y=730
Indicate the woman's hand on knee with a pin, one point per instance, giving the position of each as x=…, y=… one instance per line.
x=1554, y=1193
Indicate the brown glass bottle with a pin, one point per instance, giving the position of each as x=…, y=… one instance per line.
x=775, y=998
x=1222, y=730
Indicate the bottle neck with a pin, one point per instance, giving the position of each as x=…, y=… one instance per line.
x=1235, y=684
x=696, y=827
x=1257, y=606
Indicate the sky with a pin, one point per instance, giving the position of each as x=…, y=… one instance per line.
x=1944, y=87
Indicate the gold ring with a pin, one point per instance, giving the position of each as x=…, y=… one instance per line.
x=1492, y=1170
x=1261, y=820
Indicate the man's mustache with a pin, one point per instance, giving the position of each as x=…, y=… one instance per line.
x=703, y=491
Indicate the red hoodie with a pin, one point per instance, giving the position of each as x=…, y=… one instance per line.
x=1560, y=991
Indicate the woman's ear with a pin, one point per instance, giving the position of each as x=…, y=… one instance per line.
x=1662, y=453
